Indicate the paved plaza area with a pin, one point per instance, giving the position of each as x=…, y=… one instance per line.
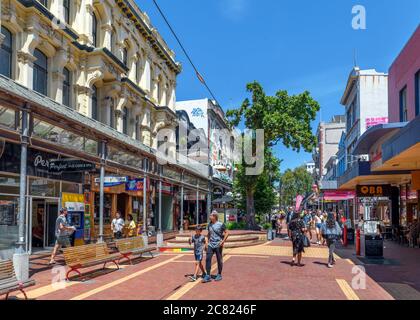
x=253, y=273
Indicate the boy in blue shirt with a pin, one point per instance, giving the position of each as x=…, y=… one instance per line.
x=199, y=242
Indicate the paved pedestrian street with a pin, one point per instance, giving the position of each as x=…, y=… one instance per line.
x=252, y=273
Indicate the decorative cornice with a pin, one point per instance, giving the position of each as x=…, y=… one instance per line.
x=46, y=13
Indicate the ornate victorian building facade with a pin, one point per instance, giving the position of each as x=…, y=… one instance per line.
x=86, y=89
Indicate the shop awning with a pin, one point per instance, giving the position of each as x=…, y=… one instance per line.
x=339, y=195
x=373, y=134
x=402, y=151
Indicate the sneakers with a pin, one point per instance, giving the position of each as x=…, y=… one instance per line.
x=218, y=278
x=193, y=278
x=330, y=265
x=206, y=279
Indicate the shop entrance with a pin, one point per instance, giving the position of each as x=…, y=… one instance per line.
x=43, y=213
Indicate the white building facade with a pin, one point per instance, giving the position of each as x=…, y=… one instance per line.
x=366, y=103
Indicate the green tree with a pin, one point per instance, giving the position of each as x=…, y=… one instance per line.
x=284, y=118
x=294, y=182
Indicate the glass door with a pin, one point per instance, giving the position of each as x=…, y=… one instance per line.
x=51, y=212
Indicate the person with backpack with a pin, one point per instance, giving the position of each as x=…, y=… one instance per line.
x=217, y=236
x=331, y=232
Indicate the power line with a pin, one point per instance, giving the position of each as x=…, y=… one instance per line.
x=199, y=76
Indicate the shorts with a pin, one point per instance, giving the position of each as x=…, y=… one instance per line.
x=198, y=257
x=318, y=225
x=63, y=241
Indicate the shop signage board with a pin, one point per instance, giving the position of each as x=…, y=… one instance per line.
x=371, y=122
x=373, y=191
x=70, y=165
x=38, y=164
x=112, y=181
x=134, y=185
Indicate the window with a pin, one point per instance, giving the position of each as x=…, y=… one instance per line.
x=137, y=127
x=40, y=76
x=125, y=120
x=159, y=91
x=66, y=87
x=125, y=56
x=66, y=8
x=6, y=52
x=138, y=68
x=112, y=113
x=417, y=93
x=94, y=103
x=403, y=105
x=44, y=3
x=95, y=30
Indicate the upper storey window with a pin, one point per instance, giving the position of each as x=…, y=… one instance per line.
x=6, y=53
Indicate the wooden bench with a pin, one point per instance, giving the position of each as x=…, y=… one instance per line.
x=132, y=246
x=87, y=256
x=194, y=226
x=9, y=282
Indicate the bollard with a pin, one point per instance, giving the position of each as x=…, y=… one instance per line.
x=358, y=242
x=345, y=236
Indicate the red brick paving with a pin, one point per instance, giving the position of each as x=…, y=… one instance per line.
x=247, y=278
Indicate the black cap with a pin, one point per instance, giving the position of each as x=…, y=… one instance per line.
x=199, y=228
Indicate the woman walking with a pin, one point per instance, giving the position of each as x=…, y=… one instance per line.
x=331, y=232
x=318, y=225
x=297, y=234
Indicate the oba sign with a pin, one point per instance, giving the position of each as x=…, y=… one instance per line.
x=371, y=191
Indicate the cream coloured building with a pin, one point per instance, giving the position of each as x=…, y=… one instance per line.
x=88, y=85
x=101, y=58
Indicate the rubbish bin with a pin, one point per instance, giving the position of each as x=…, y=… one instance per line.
x=350, y=236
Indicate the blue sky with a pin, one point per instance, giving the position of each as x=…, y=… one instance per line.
x=294, y=45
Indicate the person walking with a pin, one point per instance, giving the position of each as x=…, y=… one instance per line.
x=307, y=220
x=132, y=228
x=331, y=231
x=318, y=225
x=199, y=242
x=296, y=231
x=117, y=226
x=62, y=234
x=217, y=236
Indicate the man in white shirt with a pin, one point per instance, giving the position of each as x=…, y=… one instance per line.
x=117, y=226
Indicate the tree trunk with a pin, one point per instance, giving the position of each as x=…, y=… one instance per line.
x=250, y=210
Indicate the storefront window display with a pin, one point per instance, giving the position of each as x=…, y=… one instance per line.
x=107, y=209
x=44, y=188
x=8, y=224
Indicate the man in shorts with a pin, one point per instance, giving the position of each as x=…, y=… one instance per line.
x=217, y=236
x=62, y=233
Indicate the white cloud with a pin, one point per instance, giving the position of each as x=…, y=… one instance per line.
x=233, y=9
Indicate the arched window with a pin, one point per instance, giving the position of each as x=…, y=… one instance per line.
x=66, y=9
x=95, y=30
x=40, y=77
x=6, y=53
x=125, y=120
x=94, y=102
x=66, y=87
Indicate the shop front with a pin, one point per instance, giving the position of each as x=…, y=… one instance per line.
x=47, y=186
